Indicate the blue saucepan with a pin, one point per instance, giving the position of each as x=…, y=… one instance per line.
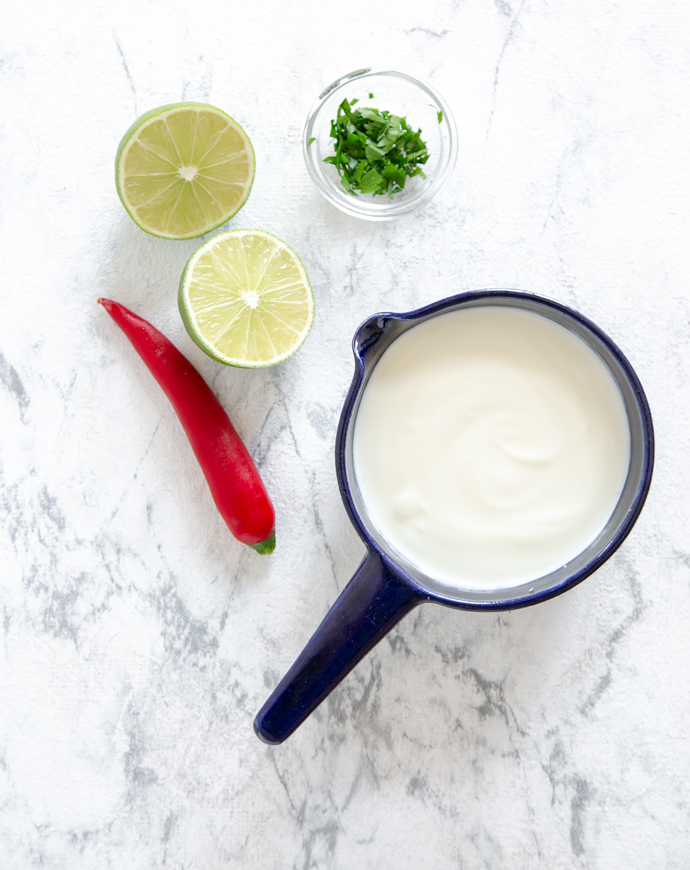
x=386, y=586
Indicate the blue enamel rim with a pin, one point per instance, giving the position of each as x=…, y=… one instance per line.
x=374, y=326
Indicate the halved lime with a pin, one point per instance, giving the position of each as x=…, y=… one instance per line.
x=183, y=170
x=246, y=300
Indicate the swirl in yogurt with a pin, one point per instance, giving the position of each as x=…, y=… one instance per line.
x=490, y=447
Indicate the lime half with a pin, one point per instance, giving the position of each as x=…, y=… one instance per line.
x=246, y=300
x=183, y=170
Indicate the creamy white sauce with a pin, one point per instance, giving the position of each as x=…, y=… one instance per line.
x=490, y=447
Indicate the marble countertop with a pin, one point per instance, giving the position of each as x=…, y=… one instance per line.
x=138, y=639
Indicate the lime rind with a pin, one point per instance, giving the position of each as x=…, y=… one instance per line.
x=133, y=134
x=258, y=323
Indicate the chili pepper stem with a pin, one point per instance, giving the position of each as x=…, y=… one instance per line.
x=267, y=546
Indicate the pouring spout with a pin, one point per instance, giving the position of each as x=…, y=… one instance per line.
x=367, y=609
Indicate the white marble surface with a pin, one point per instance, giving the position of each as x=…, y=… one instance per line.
x=138, y=639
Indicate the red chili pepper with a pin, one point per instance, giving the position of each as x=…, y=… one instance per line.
x=235, y=485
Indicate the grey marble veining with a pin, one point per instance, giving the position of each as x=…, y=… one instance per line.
x=138, y=639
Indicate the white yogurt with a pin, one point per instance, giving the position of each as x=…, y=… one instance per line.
x=490, y=447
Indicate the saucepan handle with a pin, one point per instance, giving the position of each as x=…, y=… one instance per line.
x=367, y=609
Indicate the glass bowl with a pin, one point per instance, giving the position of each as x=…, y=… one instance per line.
x=400, y=94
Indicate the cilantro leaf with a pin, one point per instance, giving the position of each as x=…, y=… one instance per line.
x=375, y=151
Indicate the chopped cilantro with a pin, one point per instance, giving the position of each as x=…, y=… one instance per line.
x=313, y=139
x=375, y=151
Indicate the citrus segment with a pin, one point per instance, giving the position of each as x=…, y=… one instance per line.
x=245, y=299
x=183, y=170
